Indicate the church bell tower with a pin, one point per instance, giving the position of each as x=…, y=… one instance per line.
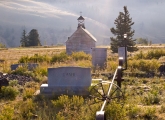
x=81, y=22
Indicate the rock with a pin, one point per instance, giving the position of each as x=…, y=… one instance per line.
x=21, y=79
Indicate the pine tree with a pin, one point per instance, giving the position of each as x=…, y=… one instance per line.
x=123, y=26
x=34, y=38
x=24, y=40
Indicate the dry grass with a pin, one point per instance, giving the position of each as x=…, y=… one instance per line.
x=12, y=55
x=42, y=107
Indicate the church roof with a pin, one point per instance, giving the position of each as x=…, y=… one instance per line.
x=86, y=31
x=80, y=18
x=89, y=34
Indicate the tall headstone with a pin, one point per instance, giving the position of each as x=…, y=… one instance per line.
x=99, y=57
x=67, y=80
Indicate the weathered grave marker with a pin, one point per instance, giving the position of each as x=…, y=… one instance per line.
x=67, y=80
x=99, y=57
x=30, y=66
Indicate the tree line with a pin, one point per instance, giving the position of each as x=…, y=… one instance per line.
x=32, y=39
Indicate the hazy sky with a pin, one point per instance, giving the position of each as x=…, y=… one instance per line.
x=148, y=15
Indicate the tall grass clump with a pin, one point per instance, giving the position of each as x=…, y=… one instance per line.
x=70, y=108
x=133, y=111
x=37, y=58
x=152, y=54
x=7, y=112
x=9, y=93
x=62, y=57
x=115, y=111
x=21, y=70
x=143, y=65
x=151, y=98
x=27, y=109
x=80, y=56
x=111, y=66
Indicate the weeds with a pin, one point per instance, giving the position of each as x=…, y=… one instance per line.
x=9, y=92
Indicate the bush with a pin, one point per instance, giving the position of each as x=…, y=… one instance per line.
x=28, y=93
x=112, y=65
x=35, y=59
x=115, y=111
x=40, y=71
x=150, y=99
x=21, y=70
x=70, y=108
x=7, y=113
x=39, y=58
x=143, y=65
x=80, y=56
x=133, y=111
x=27, y=109
x=24, y=59
x=13, y=83
x=149, y=113
x=62, y=57
x=8, y=92
x=152, y=54
x=65, y=101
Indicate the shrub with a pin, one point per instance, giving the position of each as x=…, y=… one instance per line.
x=39, y=58
x=7, y=113
x=65, y=101
x=24, y=59
x=80, y=56
x=69, y=107
x=150, y=98
x=13, y=83
x=21, y=70
x=59, y=57
x=162, y=109
x=112, y=65
x=84, y=63
x=28, y=93
x=34, y=59
x=40, y=71
x=133, y=111
x=149, y=113
x=143, y=65
x=152, y=54
x=27, y=109
x=8, y=92
x=115, y=111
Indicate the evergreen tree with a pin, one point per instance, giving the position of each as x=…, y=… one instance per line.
x=34, y=38
x=24, y=40
x=123, y=26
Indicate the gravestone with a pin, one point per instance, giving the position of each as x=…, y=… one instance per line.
x=122, y=53
x=99, y=57
x=67, y=80
x=30, y=66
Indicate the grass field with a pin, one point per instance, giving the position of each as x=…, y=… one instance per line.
x=144, y=97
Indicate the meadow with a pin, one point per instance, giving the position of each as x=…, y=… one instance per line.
x=144, y=94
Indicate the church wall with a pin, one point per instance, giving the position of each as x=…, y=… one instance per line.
x=80, y=41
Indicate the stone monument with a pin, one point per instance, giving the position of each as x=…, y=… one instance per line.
x=67, y=80
x=99, y=57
